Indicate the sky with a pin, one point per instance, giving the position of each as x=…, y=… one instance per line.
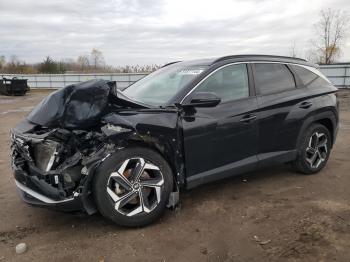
x=159, y=31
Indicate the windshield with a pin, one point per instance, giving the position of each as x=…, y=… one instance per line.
x=159, y=87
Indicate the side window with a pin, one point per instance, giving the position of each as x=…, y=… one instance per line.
x=273, y=77
x=309, y=79
x=228, y=83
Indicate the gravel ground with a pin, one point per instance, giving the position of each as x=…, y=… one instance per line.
x=273, y=214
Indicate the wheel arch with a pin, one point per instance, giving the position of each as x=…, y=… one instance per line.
x=327, y=122
x=164, y=152
x=327, y=119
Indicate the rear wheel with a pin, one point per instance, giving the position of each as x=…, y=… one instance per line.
x=132, y=187
x=314, y=149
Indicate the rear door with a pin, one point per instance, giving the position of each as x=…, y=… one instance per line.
x=219, y=140
x=280, y=102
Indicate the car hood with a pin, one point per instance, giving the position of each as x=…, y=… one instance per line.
x=81, y=105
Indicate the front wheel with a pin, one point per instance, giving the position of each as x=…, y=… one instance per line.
x=313, y=150
x=132, y=186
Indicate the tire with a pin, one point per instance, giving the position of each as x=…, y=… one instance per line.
x=126, y=199
x=313, y=150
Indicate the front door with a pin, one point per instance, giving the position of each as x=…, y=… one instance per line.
x=221, y=141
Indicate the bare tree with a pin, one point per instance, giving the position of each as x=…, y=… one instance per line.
x=331, y=31
x=49, y=66
x=83, y=62
x=14, y=60
x=13, y=65
x=2, y=61
x=293, y=50
x=97, y=58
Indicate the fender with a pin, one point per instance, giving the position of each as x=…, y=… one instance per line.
x=159, y=130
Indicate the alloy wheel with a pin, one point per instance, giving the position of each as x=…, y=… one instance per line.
x=135, y=187
x=317, y=149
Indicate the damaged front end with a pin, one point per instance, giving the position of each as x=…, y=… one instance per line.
x=58, y=148
x=51, y=166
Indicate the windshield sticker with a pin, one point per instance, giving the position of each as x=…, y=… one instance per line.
x=191, y=71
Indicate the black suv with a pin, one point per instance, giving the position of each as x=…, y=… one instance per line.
x=127, y=154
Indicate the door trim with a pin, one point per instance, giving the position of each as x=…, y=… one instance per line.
x=245, y=165
x=232, y=169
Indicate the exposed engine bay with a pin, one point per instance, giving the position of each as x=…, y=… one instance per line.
x=58, y=158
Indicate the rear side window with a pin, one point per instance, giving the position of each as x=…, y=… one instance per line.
x=273, y=77
x=308, y=78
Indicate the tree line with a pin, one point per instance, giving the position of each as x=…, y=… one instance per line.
x=92, y=63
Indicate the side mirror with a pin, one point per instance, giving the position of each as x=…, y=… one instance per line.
x=204, y=99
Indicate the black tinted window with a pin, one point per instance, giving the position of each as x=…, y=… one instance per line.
x=309, y=78
x=271, y=78
x=228, y=83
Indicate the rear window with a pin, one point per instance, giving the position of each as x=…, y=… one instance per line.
x=308, y=78
x=273, y=77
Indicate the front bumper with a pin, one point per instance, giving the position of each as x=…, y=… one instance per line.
x=34, y=195
x=37, y=195
x=34, y=198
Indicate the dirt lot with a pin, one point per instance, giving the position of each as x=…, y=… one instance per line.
x=269, y=215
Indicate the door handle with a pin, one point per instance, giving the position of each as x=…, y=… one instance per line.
x=247, y=118
x=305, y=105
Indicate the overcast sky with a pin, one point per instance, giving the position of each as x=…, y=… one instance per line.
x=156, y=31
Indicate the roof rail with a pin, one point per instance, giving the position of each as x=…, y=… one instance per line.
x=170, y=63
x=257, y=56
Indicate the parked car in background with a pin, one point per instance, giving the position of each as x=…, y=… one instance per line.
x=128, y=154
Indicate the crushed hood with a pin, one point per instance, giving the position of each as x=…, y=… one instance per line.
x=80, y=106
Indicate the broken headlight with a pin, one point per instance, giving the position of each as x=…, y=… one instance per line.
x=114, y=129
x=45, y=154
